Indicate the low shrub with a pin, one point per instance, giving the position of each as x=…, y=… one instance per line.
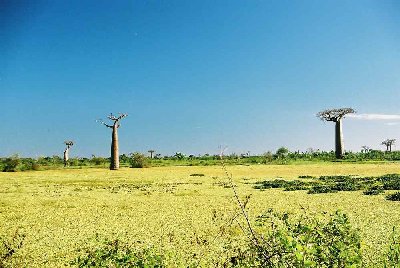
x=393, y=251
x=118, y=254
x=303, y=242
x=138, y=160
x=197, y=175
x=393, y=197
x=12, y=164
x=374, y=190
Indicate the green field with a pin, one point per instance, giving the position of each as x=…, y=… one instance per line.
x=62, y=211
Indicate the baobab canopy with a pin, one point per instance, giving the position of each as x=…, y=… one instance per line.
x=334, y=115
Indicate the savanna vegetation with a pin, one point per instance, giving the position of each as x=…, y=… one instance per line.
x=201, y=216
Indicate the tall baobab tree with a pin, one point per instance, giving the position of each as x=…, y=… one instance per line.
x=114, y=165
x=336, y=115
x=68, y=145
x=151, y=152
x=388, y=143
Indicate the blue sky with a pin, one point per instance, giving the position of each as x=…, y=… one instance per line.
x=193, y=75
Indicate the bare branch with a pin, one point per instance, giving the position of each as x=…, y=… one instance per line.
x=334, y=115
x=116, y=118
x=103, y=123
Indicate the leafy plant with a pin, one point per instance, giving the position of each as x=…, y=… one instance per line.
x=116, y=253
x=393, y=253
x=11, y=164
x=374, y=190
x=394, y=197
x=303, y=242
x=138, y=160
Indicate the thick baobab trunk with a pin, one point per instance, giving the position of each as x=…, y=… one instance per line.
x=114, y=149
x=66, y=157
x=338, y=139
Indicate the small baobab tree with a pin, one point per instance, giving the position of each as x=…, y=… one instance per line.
x=68, y=145
x=336, y=115
x=388, y=143
x=114, y=165
x=151, y=152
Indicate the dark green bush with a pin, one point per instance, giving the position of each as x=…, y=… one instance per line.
x=197, y=175
x=374, y=190
x=393, y=197
x=303, y=242
x=349, y=185
x=118, y=254
x=138, y=160
x=12, y=164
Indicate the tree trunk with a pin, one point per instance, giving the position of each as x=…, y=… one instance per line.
x=338, y=139
x=114, y=149
x=66, y=157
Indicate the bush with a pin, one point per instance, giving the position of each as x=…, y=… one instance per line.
x=12, y=164
x=374, y=190
x=393, y=252
x=394, y=197
x=138, y=160
x=304, y=242
x=118, y=254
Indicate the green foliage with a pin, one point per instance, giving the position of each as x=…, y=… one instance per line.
x=303, y=242
x=394, y=197
x=179, y=156
x=282, y=152
x=11, y=164
x=393, y=253
x=332, y=184
x=279, y=183
x=374, y=190
x=138, y=160
x=118, y=254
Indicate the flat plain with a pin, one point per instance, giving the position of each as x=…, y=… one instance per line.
x=186, y=217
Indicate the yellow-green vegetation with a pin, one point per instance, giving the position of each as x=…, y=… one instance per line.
x=175, y=211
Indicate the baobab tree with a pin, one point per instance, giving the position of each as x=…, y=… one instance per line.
x=336, y=115
x=114, y=165
x=151, y=152
x=388, y=143
x=68, y=145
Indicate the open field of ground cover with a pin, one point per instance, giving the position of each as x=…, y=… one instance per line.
x=186, y=217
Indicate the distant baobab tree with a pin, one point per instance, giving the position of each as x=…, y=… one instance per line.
x=336, y=115
x=388, y=143
x=114, y=165
x=66, y=151
x=151, y=153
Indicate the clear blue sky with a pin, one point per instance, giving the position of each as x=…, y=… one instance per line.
x=193, y=75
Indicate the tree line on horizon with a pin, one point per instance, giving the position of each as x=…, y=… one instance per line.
x=282, y=154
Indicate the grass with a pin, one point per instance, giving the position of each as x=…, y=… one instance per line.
x=184, y=216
